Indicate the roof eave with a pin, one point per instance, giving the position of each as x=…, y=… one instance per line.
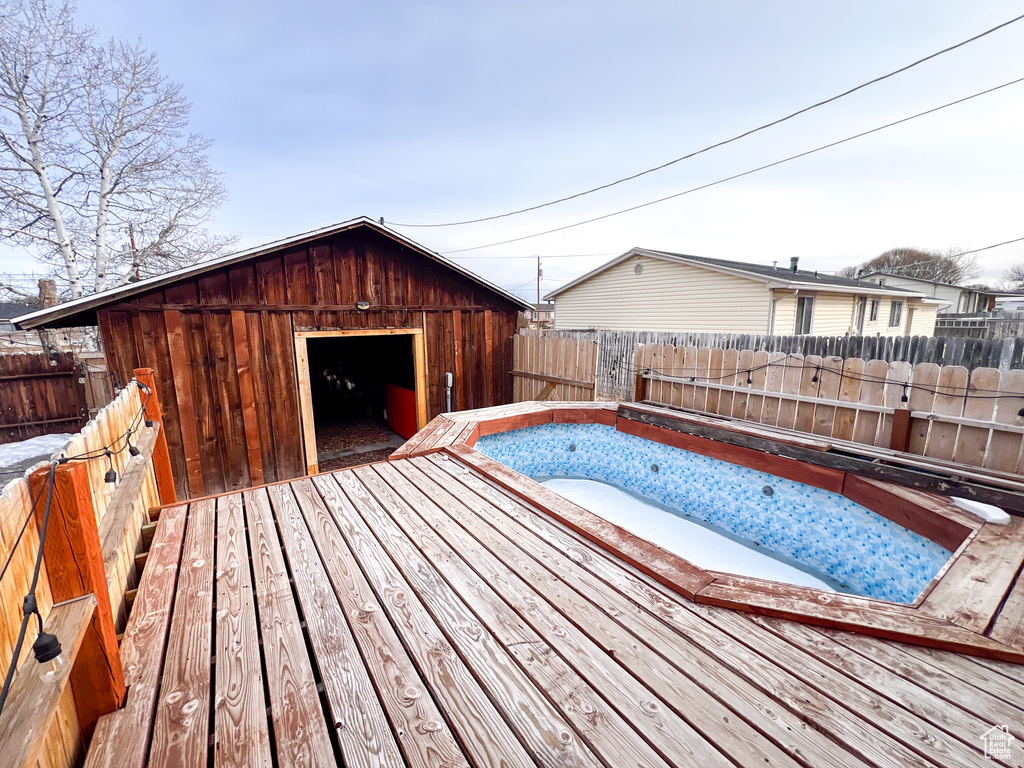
x=90, y=303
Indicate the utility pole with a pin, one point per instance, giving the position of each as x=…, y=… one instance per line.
x=537, y=308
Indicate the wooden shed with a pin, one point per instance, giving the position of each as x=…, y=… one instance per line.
x=254, y=349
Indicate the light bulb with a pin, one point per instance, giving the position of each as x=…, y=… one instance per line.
x=49, y=654
x=52, y=670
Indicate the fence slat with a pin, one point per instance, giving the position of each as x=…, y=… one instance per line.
x=922, y=398
x=973, y=441
x=1004, y=451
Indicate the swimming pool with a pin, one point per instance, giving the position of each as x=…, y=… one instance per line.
x=849, y=547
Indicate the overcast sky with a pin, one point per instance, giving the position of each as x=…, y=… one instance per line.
x=432, y=112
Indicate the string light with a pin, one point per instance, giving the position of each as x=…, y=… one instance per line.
x=47, y=648
x=947, y=390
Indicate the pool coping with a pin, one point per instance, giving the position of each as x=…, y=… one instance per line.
x=974, y=605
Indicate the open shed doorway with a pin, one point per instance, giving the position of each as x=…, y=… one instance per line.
x=361, y=392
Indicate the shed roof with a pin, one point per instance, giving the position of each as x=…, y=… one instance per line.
x=773, y=276
x=83, y=310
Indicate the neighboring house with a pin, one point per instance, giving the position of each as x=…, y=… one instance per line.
x=542, y=315
x=1009, y=302
x=956, y=299
x=658, y=291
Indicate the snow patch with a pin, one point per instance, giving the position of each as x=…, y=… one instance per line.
x=986, y=512
x=703, y=546
x=43, y=445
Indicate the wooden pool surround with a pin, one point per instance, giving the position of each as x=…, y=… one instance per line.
x=974, y=605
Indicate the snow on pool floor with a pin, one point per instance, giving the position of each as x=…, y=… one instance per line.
x=703, y=545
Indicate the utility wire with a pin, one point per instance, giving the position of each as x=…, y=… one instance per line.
x=989, y=247
x=739, y=175
x=30, y=607
x=720, y=143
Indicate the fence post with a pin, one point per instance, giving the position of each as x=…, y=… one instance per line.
x=161, y=456
x=900, y=438
x=639, y=382
x=74, y=564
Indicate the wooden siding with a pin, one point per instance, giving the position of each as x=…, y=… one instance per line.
x=198, y=332
x=665, y=296
x=39, y=395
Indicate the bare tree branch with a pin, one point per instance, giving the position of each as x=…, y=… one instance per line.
x=93, y=142
x=949, y=266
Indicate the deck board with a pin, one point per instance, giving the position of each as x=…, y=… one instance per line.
x=554, y=583
x=300, y=729
x=456, y=620
x=1008, y=626
x=421, y=730
x=545, y=731
x=476, y=720
x=122, y=738
x=972, y=590
x=181, y=724
x=582, y=669
x=242, y=734
x=362, y=727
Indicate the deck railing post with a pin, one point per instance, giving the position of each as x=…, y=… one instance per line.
x=161, y=455
x=74, y=565
x=900, y=438
x=639, y=382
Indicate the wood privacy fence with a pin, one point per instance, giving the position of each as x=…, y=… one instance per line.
x=94, y=534
x=553, y=368
x=943, y=412
x=614, y=377
x=40, y=394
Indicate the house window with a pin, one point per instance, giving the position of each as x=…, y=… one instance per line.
x=873, y=317
x=858, y=317
x=804, y=310
x=895, y=313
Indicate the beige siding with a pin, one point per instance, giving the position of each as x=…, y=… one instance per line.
x=833, y=314
x=923, y=323
x=881, y=326
x=785, y=313
x=665, y=296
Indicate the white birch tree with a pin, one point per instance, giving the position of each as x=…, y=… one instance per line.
x=99, y=177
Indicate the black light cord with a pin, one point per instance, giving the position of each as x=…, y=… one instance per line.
x=29, y=606
x=989, y=394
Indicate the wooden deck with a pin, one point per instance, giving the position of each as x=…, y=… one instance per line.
x=418, y=613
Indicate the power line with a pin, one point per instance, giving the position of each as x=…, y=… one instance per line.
x=989, y=247
x=739, y=175
x=720, y=143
